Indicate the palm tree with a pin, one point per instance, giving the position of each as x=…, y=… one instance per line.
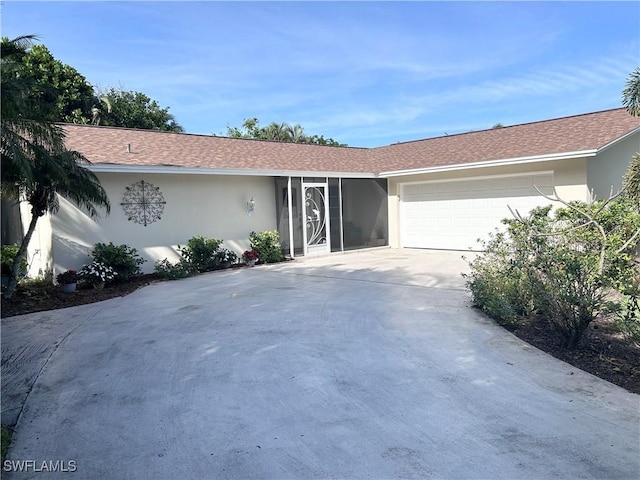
x=56, y=173
x=631, y=93
x=21, y=134
x=296, y=133
x=36, y=166
x=631, y=101
x=277, y=132
x=96, y=111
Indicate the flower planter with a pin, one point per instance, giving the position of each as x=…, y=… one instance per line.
x=98, y=286
x=68, y=287
x=250, y=257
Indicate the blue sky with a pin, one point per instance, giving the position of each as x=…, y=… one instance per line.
x=364, y=73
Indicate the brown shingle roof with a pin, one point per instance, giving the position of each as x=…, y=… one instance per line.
x=108, y=145
x=578, y=133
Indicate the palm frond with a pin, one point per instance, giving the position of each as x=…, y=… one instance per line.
x=631, y=93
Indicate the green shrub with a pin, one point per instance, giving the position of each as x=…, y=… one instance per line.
x=124, y=260
x=6, y=434
x=7, y=256
x=632, y=182
x=203, y=254
x=499, y=280
x=95, y=273
x=627, y=314
x=628, y=317
x=38, y=283
x=226, y=256
x=562, y=266
x=171, y=271
x=498, y=295
x=267, y=244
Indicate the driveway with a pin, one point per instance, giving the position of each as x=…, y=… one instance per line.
x=359, y=365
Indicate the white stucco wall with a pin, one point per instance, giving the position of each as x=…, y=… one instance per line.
x=209, y=205
x=39, y=250
x=606, y=169
x=570, y=179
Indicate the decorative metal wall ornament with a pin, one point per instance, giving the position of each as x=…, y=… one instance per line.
x=143, y=203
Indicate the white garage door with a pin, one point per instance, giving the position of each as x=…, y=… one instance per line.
x=454, y=214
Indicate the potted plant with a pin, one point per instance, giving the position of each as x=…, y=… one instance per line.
x=68, y=280
x=96, y=274
x=227, y=258
x=250, y=257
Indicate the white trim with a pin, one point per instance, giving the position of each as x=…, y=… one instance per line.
x=290, y=208
x=480, y=177
x=617, y=140
x=304, y=222
x=491, y=163
x=146, y=169
x=328, y=213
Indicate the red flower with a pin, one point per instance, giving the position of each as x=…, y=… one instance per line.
x=250, y=255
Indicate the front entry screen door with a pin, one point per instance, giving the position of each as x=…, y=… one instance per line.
x=316, y=221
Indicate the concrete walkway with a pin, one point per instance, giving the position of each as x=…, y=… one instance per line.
x=362, y=365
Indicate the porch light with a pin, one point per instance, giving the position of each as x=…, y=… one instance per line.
x=250, y=206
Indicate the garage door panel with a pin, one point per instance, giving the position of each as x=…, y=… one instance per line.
x=453, y=215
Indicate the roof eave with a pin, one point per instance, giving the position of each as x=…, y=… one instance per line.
x=491, y=163
x=619, y=139
x=166, y=169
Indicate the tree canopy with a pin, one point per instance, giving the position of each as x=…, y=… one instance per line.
x=631, y=101
x=136, y=110
x=279, y=132
x=59, y=87
x=65, y=95
x=36, y=165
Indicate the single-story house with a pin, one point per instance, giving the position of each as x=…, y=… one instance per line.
x=436, y=193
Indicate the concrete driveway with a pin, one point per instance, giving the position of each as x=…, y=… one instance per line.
x=362, y=365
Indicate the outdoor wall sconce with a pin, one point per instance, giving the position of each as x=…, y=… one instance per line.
x=250, y=206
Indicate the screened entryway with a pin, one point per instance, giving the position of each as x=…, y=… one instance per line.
x=319, y=215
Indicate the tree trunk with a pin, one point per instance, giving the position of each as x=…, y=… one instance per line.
x=15, y=272
x=576, y=334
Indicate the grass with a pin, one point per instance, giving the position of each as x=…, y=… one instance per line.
x=6, y=440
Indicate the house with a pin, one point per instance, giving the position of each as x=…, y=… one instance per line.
x=439, y=193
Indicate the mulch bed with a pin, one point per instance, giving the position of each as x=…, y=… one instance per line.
x=603, y=353
x=29, y=298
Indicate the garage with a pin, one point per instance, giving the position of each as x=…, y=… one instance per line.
x=452, y=215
